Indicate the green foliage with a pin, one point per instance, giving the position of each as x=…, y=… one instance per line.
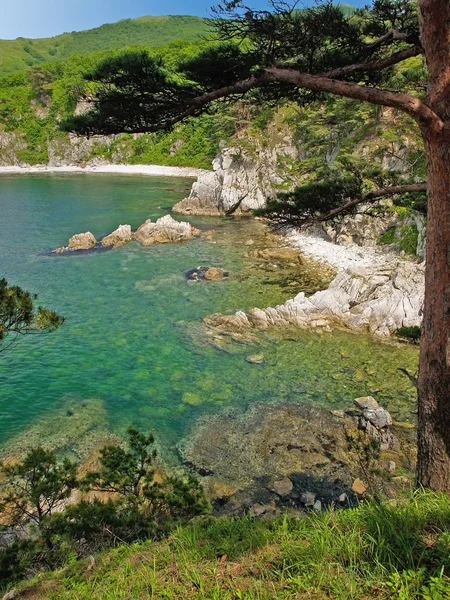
x=410, y=333
x=372, y=551
x=140, y=503
x=254, y=43
x=234, y=65
x=35, y=487
x=405, y=234
x=149, y=498
x=125, y=472
x=409, y=236
x=305, y=202
x=388, y=237
x=18, y=314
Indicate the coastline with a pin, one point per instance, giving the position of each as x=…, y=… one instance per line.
x=150, y=170
x=333, y=255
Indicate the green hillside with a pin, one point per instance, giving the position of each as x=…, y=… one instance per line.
x=22, y=53
x=154, y=32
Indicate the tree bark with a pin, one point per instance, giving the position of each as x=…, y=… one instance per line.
x=433, y=468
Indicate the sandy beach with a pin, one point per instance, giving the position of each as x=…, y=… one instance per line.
x=155, y=170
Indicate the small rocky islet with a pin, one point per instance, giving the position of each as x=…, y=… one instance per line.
x=165, y=230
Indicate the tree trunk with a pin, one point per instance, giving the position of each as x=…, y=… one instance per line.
x=433, y=468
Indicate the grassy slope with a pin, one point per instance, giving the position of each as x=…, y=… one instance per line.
x=373, y=551
x=24, y=53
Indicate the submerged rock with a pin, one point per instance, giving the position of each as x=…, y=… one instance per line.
x=277, y=254
x=300, y=444
x=165, y=230
x=121, y=236
x=283, y=487
x=256, y=359
x=82, y=241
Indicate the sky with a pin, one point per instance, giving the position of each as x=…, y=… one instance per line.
x=46, y=18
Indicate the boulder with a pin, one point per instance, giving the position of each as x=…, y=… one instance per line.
x=359, y=487
x=82, y=241
x=379, y=417
x=283, y=487
x=241, y=180
x=384, y=436
x=308, y=498
x=366, y=402
x=391, y=466
x=165, y=230
x=122, y=235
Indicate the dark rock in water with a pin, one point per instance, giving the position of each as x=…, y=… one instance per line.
x=206, y=274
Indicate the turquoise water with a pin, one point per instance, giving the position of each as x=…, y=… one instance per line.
x=130, y=314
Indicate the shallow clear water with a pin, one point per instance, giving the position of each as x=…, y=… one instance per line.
x=129, y=311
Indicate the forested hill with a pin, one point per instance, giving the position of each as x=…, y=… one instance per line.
x=23, y=53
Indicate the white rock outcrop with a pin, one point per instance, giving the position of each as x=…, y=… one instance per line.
x=377, y=299
x=164, y=230
x=240, y=181
x=121, y=236
x=82, y=241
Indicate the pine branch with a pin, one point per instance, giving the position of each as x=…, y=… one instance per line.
x=375, y=65
x=380, y=193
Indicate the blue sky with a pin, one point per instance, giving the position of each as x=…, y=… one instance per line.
x=45, y=18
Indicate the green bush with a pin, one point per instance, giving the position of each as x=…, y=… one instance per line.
x=410, y=333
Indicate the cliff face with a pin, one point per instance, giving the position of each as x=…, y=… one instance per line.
x=10, y=145
x=240, y=181
x=296, y=148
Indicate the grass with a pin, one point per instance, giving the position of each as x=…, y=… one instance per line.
x=372, y=551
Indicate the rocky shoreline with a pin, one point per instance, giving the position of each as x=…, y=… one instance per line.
x=377, y=300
